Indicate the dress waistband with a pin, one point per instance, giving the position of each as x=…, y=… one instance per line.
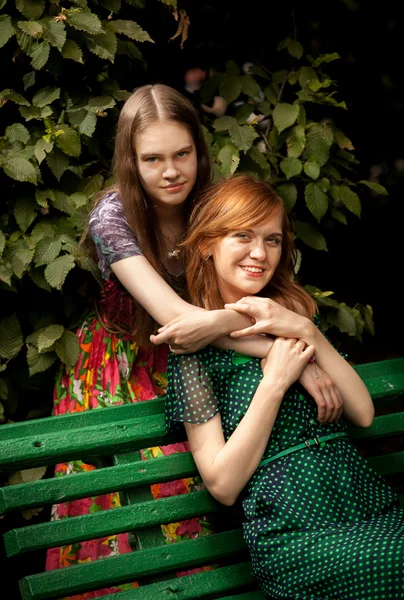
x=320, y=441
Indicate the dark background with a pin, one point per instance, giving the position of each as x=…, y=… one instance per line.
x=364, y=259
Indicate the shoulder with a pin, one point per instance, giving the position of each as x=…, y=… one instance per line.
x=108, y=207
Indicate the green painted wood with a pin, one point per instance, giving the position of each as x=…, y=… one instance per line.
x=132, y=566
x=108, y=522
x=401, y=500
x=387, y=425
x=51, y=448
x=384, y=378
x=198, y=585
x=82, y=419
x=92, y=483
x=388, y=463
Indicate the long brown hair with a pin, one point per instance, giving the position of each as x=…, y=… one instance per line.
x=151, y=104
x=232, y=204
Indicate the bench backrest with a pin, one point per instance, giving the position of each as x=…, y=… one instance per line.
x=120, y=433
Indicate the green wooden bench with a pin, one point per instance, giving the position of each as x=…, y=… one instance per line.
x=119, y=433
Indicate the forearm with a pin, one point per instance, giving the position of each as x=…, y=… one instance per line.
x=234, y=465
x=358, y=405
x=253, y=345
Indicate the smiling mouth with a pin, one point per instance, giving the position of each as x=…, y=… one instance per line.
x=256, y=270
x=174, y=185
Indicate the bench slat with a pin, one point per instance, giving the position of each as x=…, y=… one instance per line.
x=129, y=567
x=108, y=522
x=386, y=425
x=384, y=379
x=83, y=419
x=100, y=481
x=388, y=463
x=198, y=585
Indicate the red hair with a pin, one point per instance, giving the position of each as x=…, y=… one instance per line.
x=233, y=204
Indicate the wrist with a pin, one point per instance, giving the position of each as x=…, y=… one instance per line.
x=308, y=332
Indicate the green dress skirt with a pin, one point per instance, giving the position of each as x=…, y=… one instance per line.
x=320, y=524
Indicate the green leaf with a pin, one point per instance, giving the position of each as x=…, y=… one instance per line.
x=6, y=29
x=312, y=169
x=112, y=5
x=271, y=94
x=316, y=200
x=319, y=140
x=79, y=199
x=17, y=133
x=13, y=96
x=69, y=141
x=230, y=87
x=224, y=123
x=306, y=76
x=31, y=9
x=256, y=70
x=29, y=80
x=84, y=21
x=46, y=96
x=42, y=197
x=294, y=47
x=291, y=167
x=343, y=319
x=58, y=162
x=375, y=187
x=6, y=272
x=20, y=256
x=39, y=362
x=91, y=185
x=48, y=336
x=71, y=50
x=250, y=87
x=84, y=121
x=63, y=202
x=41, y=230
x=31, y=112
x=40, y=55
x=38, y=278
x=98, y=104
x=229, y=157
x=25, y=210
x=288, y=193
x=54, y=32
x=103, y=45
x=57, y=270
x=310, y=235
x=131, y=29
x=343, y=142
x=243, y=136
x=325, y=58
x=68, y=349
x=338, y=216
x=232, y=68
x=296, y=142
x=285, y=115
x=42, y=148
x=259, y=158
x=47, y=250
x=20, y=169
x=31, y=28
x=2, y=242
x=350, y=199
x=11, y=339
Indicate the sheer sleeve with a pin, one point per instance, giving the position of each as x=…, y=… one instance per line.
x=190, y=395
x=111, y=233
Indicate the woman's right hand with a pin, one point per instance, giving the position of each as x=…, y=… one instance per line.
x=285, y=362
x=189, y=332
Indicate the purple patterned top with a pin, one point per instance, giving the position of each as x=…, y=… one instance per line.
x=111, y=233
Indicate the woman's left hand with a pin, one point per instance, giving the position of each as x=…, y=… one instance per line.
x=270, y=317
x=325, y=393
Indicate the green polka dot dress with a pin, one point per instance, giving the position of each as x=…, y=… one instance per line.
x=319, y=523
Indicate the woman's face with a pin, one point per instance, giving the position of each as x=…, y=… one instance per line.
x=167, y=162
x=245, y=260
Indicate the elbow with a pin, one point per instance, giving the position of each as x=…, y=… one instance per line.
x=223, y=494
x=366, y=419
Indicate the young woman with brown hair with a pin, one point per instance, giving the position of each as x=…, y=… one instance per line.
x=319, y=522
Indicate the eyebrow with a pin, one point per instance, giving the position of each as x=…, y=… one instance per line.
x=183, y=149
x=271, y=233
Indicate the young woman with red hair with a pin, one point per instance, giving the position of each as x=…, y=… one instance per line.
x=319, y=522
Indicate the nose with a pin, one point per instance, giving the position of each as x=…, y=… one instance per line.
x=170, y=171
x=258, y=251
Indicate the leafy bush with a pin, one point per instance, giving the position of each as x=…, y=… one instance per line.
x=68, y=69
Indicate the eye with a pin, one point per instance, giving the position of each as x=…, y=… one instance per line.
x=151, y=159
x=273, y=241
x=182, y=154
x=243, y=235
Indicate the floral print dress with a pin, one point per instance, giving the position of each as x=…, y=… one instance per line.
x=112, y=369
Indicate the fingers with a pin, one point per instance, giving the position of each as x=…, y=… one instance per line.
x=244, y=332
